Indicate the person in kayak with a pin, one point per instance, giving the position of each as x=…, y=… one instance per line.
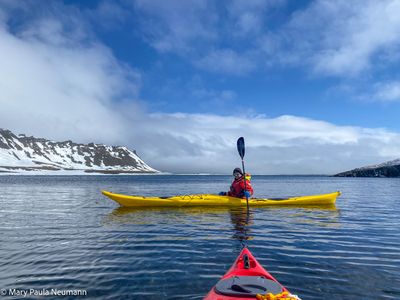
x=237, y=187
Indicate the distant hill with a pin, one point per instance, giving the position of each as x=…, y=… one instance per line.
x=386, y=169
x=22, y=154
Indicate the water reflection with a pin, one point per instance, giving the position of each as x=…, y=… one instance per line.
x=131, y=215
x=119, y=211
x=241, y=221
x=323, y=217
x=327, y=216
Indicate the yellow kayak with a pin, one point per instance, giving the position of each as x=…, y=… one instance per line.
x=216, y=200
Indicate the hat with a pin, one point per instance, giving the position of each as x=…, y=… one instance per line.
x=237, y=170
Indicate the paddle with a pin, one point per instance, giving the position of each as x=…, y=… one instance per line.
x=241, y=148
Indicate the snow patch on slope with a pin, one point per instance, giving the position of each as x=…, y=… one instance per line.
x=29, y=154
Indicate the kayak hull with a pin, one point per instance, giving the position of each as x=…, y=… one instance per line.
x=239, y=269
x=216, y=200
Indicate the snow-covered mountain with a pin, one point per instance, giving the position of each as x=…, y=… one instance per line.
x=22, y=154
x=386, y=169
x=390, y=163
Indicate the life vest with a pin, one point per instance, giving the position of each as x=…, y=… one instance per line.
x=237, y=187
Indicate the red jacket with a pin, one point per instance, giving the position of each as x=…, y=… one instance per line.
x=237, y=188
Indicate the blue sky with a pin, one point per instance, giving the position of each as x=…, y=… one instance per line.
x=313, y=86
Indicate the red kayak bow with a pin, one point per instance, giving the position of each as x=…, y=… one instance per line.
x=245, y=280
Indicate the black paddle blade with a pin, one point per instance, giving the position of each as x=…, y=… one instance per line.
x=240, y=146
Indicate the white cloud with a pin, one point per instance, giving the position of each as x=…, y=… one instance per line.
x=227, y=61
x=387, y=91
x=375, y=27
x=218, y=99
x=283, y=145
x=249, y=17
x=341, y=38
x=196, y=30
x=61, y=83
x=176, y=26
x=110, y=14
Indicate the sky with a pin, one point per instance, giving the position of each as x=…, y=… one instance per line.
x=312, y=86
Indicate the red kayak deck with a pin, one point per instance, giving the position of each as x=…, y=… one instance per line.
x=244, y=280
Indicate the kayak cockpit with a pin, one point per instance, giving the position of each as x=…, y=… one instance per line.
x=247, y=286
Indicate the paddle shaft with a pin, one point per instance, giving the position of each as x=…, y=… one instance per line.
x=241, y=149
x=245, y=188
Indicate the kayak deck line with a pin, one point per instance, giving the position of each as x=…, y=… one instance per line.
x=216, y=200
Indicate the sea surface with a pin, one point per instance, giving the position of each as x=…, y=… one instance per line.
x=60, y=234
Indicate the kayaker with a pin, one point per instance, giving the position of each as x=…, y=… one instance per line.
x=237, y=187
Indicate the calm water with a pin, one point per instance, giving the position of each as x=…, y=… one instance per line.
x=61, y=233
